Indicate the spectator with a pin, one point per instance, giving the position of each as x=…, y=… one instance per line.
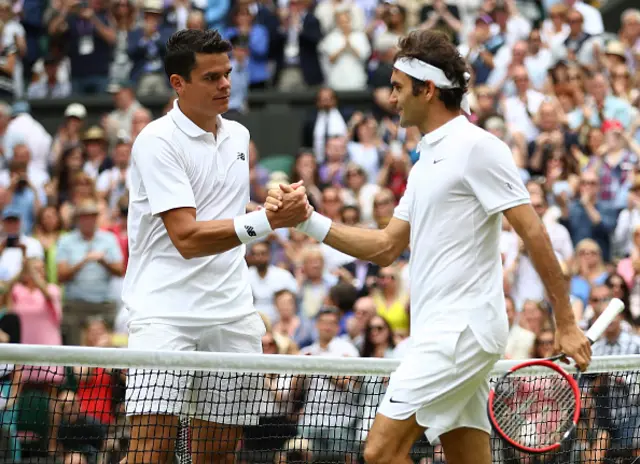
x=326, y=14
x=87, y=260
x=327, y=121
x=139, y=120
x=97, y=159
x=333, y=169
x=12, y=248
x=115, y=182
x=69, y=166
x=239, y=74
x=70, y=132
x=23, y=195
x=543, y=347
x=47, y=231
x=613, y=163
x=359, y=191
x=586, y=217
x=88, y=29
x=146, y=48
x=519, y=108
x=299, y=35
x=391, y=301
x=589, y=268
x=124, y=16
x=344, y=52
x=365, y=146
x=266, y=280
x=313, y=282
x=24, y=129
x=305, y=168
x=258, y=41
x=49, y=85
x=481, y=47
x=120, y=120
x=288, y=322
x=378, y=339
x=327, y=417
x=615, y=340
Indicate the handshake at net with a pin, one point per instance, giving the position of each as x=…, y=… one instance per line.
x=287, y=205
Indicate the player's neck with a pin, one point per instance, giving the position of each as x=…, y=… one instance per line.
x=438, y=118
x=204, y=122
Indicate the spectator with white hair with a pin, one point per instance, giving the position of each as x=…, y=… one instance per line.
x=630, y=36
x=139, y=120
x=344, y=52
x=25, y=129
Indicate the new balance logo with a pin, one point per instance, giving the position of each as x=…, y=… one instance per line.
x=250, y=231
x=509, y=186
x=241, y=156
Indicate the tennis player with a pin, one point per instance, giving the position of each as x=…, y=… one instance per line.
x=187, y=283
x=451, y=216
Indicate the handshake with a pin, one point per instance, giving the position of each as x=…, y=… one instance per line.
x=287, y=206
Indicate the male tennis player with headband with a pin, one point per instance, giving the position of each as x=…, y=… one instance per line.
x=451, y=215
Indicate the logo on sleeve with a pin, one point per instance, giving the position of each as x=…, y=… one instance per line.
x=250, y=231
x=508, y=184
x=241, y=156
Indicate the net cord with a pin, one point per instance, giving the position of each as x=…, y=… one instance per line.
x=119, y=358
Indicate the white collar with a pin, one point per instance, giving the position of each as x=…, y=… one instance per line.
x=190, y=128
x=451, y=127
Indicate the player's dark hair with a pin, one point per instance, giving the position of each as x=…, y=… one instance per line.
x=183, y=46
x=435, y=48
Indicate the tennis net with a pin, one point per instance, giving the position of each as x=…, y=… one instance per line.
x=66, y=404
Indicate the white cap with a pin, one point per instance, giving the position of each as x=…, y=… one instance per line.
x=75, y=110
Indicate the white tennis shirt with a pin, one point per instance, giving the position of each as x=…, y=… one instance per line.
x=176, y=164
x=464, y=179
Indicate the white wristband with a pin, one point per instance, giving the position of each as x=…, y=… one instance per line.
x=252, y=226
x=317, y=226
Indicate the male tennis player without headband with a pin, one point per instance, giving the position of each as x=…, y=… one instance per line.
x=450, y=214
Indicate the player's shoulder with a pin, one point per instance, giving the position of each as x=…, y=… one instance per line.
x=158, y=135
x=234, y=128
x=483, y=141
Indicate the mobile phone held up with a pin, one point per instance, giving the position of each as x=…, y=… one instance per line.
x=13, y=241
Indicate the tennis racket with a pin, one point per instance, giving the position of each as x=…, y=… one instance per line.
x=536, y=414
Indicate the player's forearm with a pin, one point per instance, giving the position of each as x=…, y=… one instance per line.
x=207, y=238
x=365, y=244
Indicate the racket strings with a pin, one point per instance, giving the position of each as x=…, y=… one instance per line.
x=534, y=411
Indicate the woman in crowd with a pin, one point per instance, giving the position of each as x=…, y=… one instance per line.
x=48, y=230
x=589, y=269
x=391, y=299
x=378, y=339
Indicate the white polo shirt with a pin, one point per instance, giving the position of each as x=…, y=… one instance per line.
x=464, y=178
x=176, y=164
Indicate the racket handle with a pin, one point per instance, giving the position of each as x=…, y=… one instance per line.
x=614, y=308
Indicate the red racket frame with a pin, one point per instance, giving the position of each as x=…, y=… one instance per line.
x=576, y=393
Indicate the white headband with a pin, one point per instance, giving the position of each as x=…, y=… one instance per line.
x=422, y=71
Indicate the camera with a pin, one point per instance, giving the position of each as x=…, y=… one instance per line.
x=13, y=241
x=22, y=184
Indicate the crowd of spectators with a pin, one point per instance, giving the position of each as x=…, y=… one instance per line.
x=546, y=78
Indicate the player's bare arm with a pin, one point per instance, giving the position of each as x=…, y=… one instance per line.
x=378, y=246
x=569, y=338
x=194, y=239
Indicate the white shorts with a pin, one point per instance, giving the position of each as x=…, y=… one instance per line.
x=444, y=383
x=220, y=397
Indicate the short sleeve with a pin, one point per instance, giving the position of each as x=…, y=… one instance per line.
x=163, y=174
x=403, y=210
x=492, y=175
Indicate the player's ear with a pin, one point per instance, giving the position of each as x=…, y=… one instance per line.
x=429, y=90
x=177, y=82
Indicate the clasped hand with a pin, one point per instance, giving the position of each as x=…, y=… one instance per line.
x=288, y=205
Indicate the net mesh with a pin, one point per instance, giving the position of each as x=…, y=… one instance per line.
x=306, y=410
